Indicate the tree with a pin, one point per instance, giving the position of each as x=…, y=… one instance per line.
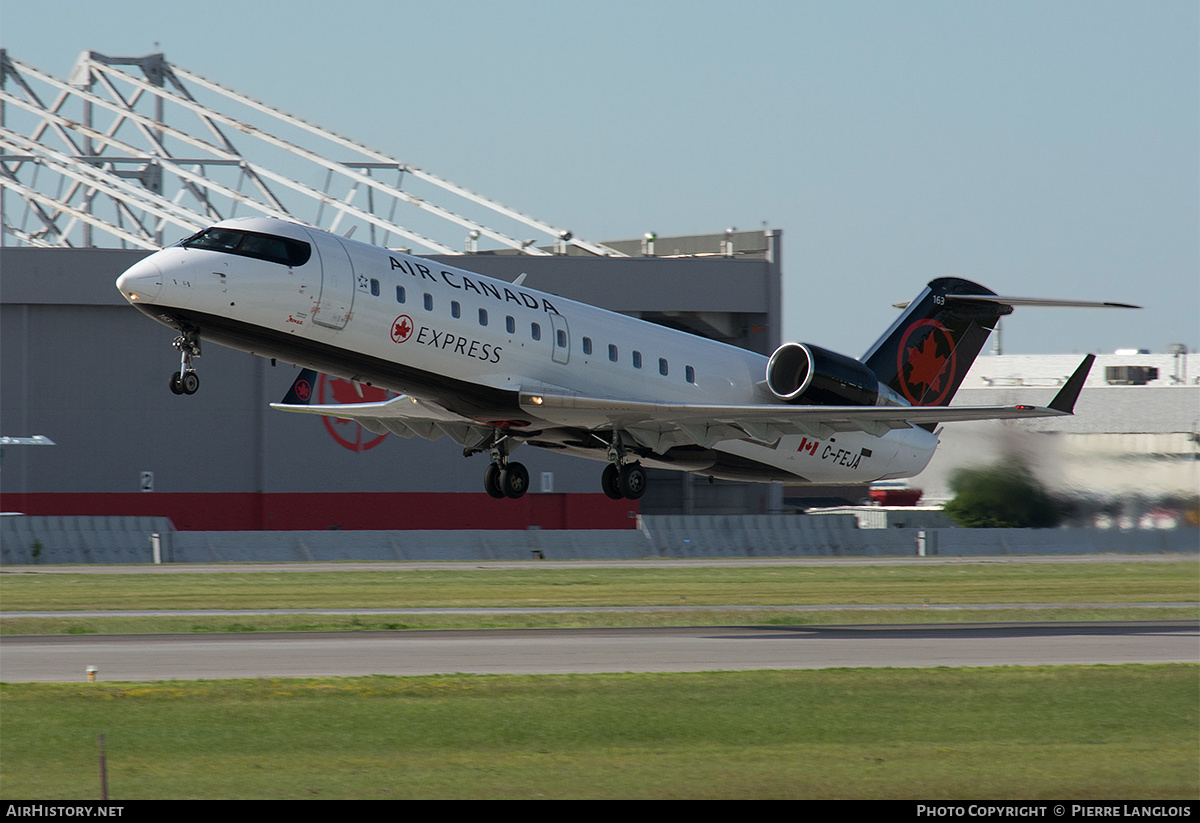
x=1002, y=496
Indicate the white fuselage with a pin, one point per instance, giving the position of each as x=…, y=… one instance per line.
x=469, y=344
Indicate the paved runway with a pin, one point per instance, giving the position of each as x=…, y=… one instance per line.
x=213, y=656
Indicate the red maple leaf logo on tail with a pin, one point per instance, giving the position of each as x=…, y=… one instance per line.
x=927, y=367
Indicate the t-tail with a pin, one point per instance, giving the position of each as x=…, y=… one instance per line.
x=925, y=355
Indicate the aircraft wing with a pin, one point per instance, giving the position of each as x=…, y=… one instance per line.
x=660, y=426
x=403, y=415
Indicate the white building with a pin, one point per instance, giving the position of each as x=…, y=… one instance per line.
x=1132, y=448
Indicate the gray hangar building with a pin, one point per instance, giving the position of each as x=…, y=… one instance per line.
x=129, y=154
x=87, y=370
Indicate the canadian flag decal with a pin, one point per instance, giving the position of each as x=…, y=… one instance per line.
x=809, y=446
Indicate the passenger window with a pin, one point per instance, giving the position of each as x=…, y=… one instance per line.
x=637, y=359
x=510, y=325
x=560, y=339
x=428, y=302
x=483, y=317
x=374, y=287
x=689, y=373
x=662, y=366
x=535, y=331
x=612, y=352
x=455, y=309
x=399, y=294
x=587, y=345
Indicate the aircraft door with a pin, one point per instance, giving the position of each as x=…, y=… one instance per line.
x=337, y=282
x=562, y=339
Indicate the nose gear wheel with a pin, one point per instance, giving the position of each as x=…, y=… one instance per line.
x=186, y=381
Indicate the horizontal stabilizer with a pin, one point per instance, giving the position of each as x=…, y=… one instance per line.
x=1038, y=301
x=1030, y=301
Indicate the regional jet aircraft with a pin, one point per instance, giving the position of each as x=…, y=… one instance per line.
x=494, y=365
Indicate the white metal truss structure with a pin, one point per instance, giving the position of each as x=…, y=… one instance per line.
x=124, y=153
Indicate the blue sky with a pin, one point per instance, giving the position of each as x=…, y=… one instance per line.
x=1040, y=148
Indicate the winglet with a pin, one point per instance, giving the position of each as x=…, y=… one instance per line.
x=1064, y=401
x=301, y=392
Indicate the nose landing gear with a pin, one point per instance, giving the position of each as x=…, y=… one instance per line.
x=186, y=381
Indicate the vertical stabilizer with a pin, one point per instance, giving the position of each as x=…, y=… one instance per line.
x=925, y=355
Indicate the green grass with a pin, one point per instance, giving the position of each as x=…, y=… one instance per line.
x=27, y=589
x=694, y=586
x=1004, y=733
x=1086, y=732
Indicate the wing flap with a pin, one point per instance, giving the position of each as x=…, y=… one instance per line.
x=404, y=416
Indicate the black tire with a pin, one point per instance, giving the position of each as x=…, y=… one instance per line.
x=611, y=483
x=176, y=388
x=632, y=481
x=190, y=383
x=514, y=480
x=491, y=481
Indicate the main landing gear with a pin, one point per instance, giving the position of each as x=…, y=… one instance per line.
x=508, y=479
x=621, y=480
x=624, y=482
x=186, y=381
x=511, y=481
x=505, y=478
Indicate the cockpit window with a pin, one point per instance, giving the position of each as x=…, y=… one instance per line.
x=282, y=250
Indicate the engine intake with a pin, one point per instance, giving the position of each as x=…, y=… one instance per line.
x=805, y=374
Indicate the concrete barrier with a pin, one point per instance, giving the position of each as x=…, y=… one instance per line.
x=308, y=546
x=65, y=540
x=26, y=539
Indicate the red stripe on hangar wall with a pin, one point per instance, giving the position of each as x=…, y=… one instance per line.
x=234, y=511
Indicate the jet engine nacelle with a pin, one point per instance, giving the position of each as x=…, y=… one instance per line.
x=802, y=373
